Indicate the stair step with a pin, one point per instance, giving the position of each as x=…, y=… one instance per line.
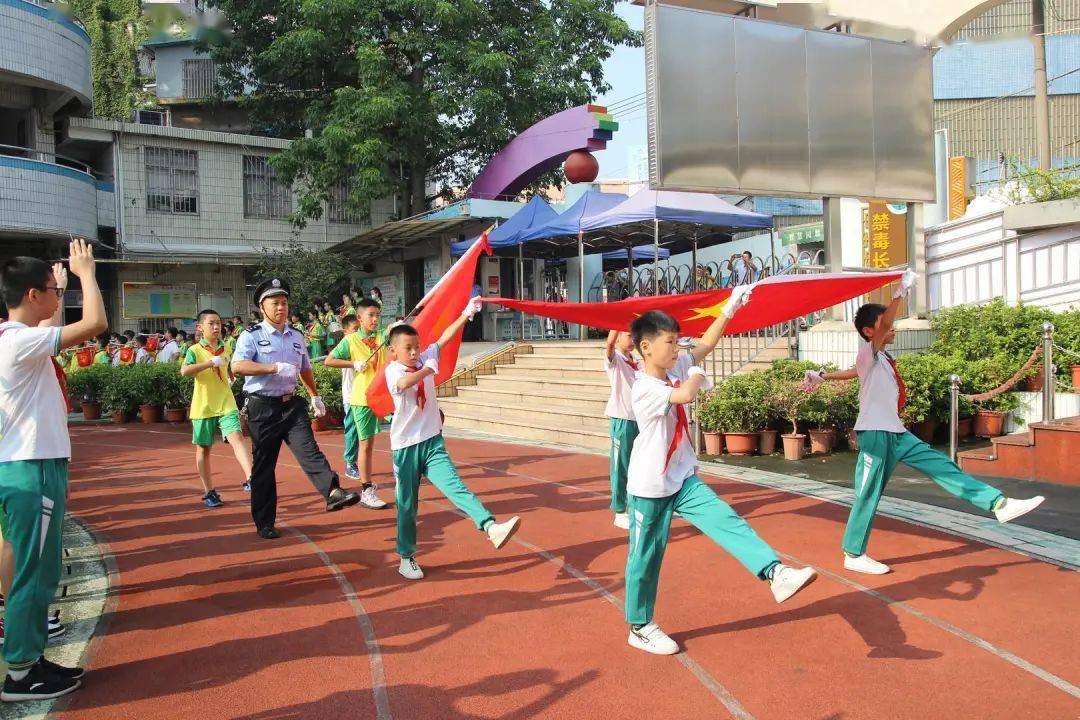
x=551, y=373
x=582, y=361
x=1021, y=439
x=592, y=406
x=979, y=454
x=536, y=413
x=528, y=431
x=539, y=387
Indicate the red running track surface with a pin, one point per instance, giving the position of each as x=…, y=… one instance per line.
x=209, y=621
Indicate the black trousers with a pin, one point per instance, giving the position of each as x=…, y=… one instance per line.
x=271, y=422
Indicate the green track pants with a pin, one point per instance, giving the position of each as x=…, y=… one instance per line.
x=33, y=496
x=879, y=452
x=352, y=437
x=623, y=434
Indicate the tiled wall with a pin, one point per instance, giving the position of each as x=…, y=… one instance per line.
x=43, y=44
x=46, y=198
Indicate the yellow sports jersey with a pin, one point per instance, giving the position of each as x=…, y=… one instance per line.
x=213, y=392
x=361, y=346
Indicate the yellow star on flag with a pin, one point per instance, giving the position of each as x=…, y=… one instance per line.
x=712, y=311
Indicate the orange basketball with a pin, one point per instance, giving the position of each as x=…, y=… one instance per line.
x=580, y=166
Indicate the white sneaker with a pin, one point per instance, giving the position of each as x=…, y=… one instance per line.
x=865, y=564
x=500, y=533
x=369, y=499
x=652, y=639
x=410, y=570
x=1012, y=508
x=622, y=521
x=786, y=581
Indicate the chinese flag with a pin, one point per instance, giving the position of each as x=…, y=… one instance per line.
x=774, y=300
x=441, y=306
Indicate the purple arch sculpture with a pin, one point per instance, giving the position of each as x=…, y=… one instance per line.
x=541, y=148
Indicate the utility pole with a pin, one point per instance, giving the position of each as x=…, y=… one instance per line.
x=1042, y=102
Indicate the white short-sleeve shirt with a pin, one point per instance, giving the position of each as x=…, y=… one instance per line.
x=621, y=377
x=346, y=384
x=169, y=352
x=656, y=419
x=878, y=392
x=33, y=414
x=411, y=423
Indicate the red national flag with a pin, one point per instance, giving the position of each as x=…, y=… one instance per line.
x=774, y=300
x=441, y=306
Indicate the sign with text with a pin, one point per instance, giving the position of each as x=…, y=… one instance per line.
x=802, y=234
x=958, y=186
x=884, y=235
x=141, y=300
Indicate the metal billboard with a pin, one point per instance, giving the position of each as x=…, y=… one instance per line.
x=738, y=105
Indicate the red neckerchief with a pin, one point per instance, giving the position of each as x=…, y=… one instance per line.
x=217, y=353
x=421, y=393
x=61, y=378
x=630, y=361
x=681, y=426
x=370, y=341
x=901, y=400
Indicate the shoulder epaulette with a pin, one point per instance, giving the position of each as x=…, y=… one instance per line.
x=252, y=326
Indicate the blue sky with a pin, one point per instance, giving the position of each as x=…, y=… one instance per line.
x=625, y=72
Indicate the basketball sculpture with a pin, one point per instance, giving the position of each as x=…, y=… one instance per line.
x=580, y=166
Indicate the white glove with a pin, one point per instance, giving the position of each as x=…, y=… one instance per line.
x=360, y=366
x=286, y=371
x=216, y=360
x=739, y=297
x=812, y=380
x=318, y=405
x=907, y=281
x=698, y=370
x=432, y=364
x=472, y=307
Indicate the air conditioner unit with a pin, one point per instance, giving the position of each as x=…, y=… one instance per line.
x=152, y=117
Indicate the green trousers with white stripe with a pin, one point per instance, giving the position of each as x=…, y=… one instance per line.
x=879, y=452
x=623, y=434
x=429, y=458
x=352, y=437
x=650, y=522
x=33, y=496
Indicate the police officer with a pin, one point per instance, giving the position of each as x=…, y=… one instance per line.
x=271, y=355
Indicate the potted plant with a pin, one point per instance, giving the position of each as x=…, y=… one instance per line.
x=85, y=386
x=816, y=411
x=790, y=400
x=328, y=383
x=117, y=399
x=145, y=383
x=741, y=412
x=318, y=424
x=989, y=374
x=709, y=421
x=177, y=395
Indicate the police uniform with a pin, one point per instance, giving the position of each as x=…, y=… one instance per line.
x=276, y=414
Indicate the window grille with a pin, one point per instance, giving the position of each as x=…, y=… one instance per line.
x=172, y=180
x=265, y=196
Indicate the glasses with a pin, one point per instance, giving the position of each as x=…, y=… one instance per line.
x=58, y=290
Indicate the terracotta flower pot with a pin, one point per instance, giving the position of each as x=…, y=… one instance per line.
x=767, y=441
x=989, y=423
x=741, y=443
x=714, y=443
x=853, y=440
x=91, y=411
x=150, y=413
x=925, y=430
x=1035, y=382
x=175, y=415
x=794, y=446
x=821, y=440
x=335, y=418
x=320, y=424
x=120, y=417
x=1076, y=378
x=965, y=427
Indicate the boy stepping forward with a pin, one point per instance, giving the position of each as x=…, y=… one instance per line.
x=417, y=442
x=663, y=479
x=364, y=354
x=213, y=407
x=34, y=453
x=884, y=441
x=620, y=366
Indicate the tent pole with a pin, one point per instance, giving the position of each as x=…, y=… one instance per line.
x=693, y=260
x=656, y=256
x=629, y=271
x=521, y=285
x=582, y=330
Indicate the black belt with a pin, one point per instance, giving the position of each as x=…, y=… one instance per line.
x=275, y=398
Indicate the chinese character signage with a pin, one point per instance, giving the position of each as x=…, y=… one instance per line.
x=802, y=234
x=958, y=187
x=884, y=235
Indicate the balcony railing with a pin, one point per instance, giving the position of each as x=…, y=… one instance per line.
x=51, y=158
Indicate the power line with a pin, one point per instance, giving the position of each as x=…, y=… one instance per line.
x=999, y=98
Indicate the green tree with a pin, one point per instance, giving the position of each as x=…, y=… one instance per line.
x=402, y=93
x=117, y=30
x=312, y=274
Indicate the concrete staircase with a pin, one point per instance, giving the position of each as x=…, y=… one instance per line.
x=557, y=392
x=1047, y=451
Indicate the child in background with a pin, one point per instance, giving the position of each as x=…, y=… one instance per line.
x=662, y=478
x=141, y=354
x=213, y=407
x=352, y=438
x=620, y=366
x=316, y=335
x=170, y=348
x=102, y=357
x=417, y=442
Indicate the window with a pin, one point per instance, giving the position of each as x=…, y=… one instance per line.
x=172, y=180
x=264, y=195
x=200, y=79
x=339, y=211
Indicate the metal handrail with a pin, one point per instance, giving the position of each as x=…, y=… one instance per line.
x=41, y=156
x=484, y=365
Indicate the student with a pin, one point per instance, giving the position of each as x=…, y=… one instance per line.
x=142, y=355
x=34, y=453
x=620, y=366
x=102, y=356
x=170, y=349
x=662, y=477
x=183, y=341
x=884, y=441
x=347, y=308
x=316, y=335
x=213, y=407
x=364, y=352
x=417, y=442
x=376, y=295
x=352, y=438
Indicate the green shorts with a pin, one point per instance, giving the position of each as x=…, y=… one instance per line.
x=202, y=429
x=367, y=425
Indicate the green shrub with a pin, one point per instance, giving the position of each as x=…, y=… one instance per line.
x=87, y=384
x=844, y=409
x=707, y=413
x=739, y=403
x=928, y=379
x=789, y=399
x=122, y=392
x=328, y=385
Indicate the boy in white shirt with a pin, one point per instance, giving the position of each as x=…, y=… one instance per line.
x=884, y=441
x=34, y=454
x=620, y=366
x=416, y=439
x=663, y=475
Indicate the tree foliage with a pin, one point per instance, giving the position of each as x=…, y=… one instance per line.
x=117, y=30
x=312, y=274
x=401, y=95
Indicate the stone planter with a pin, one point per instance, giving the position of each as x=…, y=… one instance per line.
x=822, y=440
x=741, y=443
x=926, y=429
x=714, y=443
x=150, y=413
x=989, y=423
x=175, y=415
x=91, y=411
x=794, y=446
x=767, y=441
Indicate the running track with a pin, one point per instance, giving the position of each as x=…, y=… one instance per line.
x=208, y=621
